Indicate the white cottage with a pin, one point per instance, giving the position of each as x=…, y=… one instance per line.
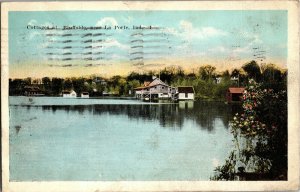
x=85, y=95
x=69, y=94
x=186, y=93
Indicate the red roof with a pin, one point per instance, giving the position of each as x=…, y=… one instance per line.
x=236, y=89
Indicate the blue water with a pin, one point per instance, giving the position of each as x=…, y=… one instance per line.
x=111, y=140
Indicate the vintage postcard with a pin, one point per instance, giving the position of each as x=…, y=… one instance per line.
x=150, y=96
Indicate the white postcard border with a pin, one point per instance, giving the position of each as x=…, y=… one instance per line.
x=293, y=98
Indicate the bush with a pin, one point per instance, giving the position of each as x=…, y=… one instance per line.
x=260, y=135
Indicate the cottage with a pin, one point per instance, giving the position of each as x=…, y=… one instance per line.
x=234, y=94
x=69, y=94
x=33, y=91
x=85, y=95
x=156, y=89
x=186, y=93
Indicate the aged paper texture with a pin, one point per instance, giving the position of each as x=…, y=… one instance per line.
x=150, y=96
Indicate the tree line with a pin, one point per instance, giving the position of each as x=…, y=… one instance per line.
x=207, y=82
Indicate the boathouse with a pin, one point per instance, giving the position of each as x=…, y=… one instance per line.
x=69, y=94
x=156, y=89
x=85, y=95
x=186, y=93
x=33, y=91
x=234, y=94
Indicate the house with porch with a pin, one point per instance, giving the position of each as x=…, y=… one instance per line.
x=156, y=89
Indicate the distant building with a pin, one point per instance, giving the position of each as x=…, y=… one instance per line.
x=186, y=93
x=69, y=94
x=234, y=94
x=218, y=80
x=156, y=89
x=85, y=95
x=33, y=91
x=100, y=80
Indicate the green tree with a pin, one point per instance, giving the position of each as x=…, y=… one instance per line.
x=207, y=72
x=133, y=76
x=47, y=84
x=179, y=72
x=57, y=85
x=16, y=86
x=166, y=76
x=68, y=84
x=27, y=81
x=253, y=71
x=114, y=81
x=271, y=73
x=78, y=85
x=122, y=86
x=226, y=75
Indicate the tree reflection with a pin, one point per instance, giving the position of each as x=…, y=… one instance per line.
x=172, y=116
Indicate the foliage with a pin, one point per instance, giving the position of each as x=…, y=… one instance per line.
x=203, y=79
x=260, y=135
x=260, y=131
x=205, y=89
x=207, y=72
x=253, y=71
x=57, y=85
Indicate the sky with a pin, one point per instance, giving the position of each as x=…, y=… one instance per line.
x=107, y=43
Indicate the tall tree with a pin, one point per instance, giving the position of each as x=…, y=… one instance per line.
x=78, y=85
x=46, y=83
x=207, y=72
x=68, y=84
x=253, y=70
x=166, y=76
x=57, y=85
x=271, y=73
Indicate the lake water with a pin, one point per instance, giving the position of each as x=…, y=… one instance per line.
x=55, y=139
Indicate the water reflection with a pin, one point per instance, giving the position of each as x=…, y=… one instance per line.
x=182, y=141
x=172, y=116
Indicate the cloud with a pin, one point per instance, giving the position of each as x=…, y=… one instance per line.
x=110, y=21
x=246, y=36
x=186, y=25
x=114, y=43
x=245, y=49
x=220, y=48
x=117, y=57
x=189, y=32
x=32, y=22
